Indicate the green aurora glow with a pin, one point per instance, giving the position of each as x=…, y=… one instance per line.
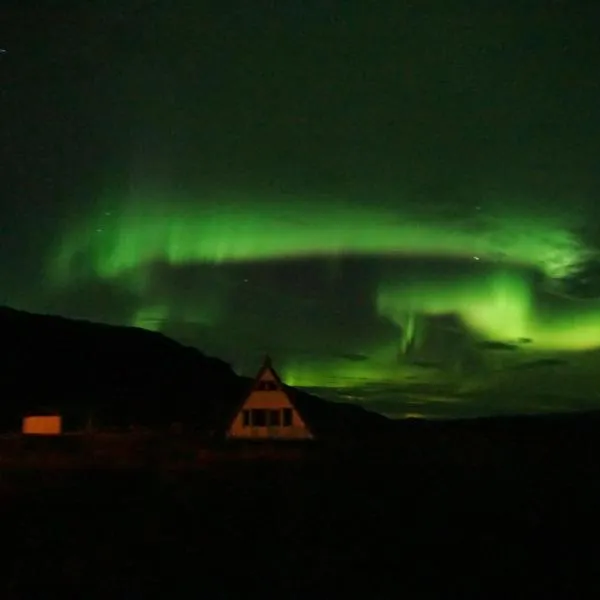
x=494, y=279
x=497, y=304
x=392, y=201
x=229, y=228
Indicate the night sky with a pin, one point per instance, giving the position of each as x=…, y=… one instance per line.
x=399, y=201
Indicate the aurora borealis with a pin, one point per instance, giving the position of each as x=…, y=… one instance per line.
x=224, y=229
x=399, y=204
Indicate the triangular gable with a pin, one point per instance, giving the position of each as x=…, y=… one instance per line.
x=268, y=411
x=267, y=374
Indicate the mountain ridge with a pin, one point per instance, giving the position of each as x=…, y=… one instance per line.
x=123, y=376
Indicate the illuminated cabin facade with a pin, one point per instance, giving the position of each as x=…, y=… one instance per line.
x=39, y=424
x=268, y=412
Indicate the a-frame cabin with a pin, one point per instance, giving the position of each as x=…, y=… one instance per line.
x=268, y=412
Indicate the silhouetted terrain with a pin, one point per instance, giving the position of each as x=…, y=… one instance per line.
x=407, y=509
x=383, y=528
x=121, y=376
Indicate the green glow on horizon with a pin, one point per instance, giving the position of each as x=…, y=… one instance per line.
x=154, y=315
x=228, y=229
x=151, y=317
x=337, y=373
x=381, y=367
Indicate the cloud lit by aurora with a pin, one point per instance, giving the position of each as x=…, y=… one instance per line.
x=497, y=274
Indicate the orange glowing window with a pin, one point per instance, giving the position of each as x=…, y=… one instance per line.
x=42, y=425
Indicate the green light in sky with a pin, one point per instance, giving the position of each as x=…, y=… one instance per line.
x=493, y=302
x=494, y=294
x=497, y=305
x=151, y=317
x=337, y=373
x=382, y=367
x=175, y=230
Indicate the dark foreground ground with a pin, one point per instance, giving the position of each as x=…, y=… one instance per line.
x=358, y=526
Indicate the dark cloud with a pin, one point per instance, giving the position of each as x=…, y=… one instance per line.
x=585, y=282
x=425, y=364
x=441, y=339
x=541, y=363
x=298, y=310
x=94, y=300
x=497, y=346
x=354, y=357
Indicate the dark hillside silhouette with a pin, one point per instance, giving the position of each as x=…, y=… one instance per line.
x=410, y=508
x=122, y=376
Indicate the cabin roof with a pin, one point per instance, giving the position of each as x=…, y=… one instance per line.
x=268, y=366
